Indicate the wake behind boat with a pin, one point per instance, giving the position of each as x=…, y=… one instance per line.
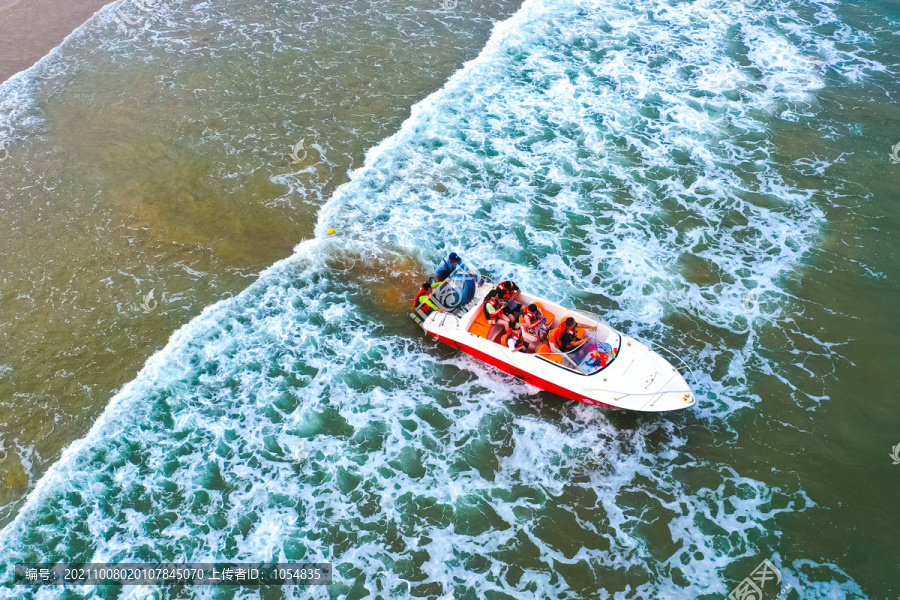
x=607, y=369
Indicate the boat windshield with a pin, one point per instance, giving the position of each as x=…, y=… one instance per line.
x=599, y=349
x=458, y=289
x=593, y=355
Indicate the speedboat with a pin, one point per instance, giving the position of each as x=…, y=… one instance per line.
x=608, y=369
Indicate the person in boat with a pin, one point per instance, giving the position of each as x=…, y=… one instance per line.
x=534, y=324
x=423, y=301
x=493, y=309
x=514, y=339
x=446, y=266
x=571, y=335
x=513, y=310
x=508, y=289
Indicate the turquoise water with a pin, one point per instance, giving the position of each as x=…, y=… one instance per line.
x=707, y=182
x=150, y=175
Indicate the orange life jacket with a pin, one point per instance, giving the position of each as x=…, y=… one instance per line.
x=577, y=334
x=507, y=289
x=419, y=301
x=535, y=321
x=516, y=336
x=496, y=304
x=554, y=335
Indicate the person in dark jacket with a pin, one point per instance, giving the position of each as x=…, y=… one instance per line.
x=446, y=266
x=572, y=336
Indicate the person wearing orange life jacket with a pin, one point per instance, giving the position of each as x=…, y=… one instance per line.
x=493, y=310
x=514, y=340
x=422, y=301
x=534, y=324
x=508, y=290
x=571, y=335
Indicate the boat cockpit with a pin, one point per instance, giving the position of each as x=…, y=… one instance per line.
x=464, y=290
x=600, y=346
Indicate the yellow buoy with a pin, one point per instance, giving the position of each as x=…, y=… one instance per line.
x=330, y=231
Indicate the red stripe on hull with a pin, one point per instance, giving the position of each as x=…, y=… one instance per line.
x=523, y=375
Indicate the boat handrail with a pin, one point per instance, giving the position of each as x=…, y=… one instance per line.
x=450, y=314
x=654, y=346
x=624, y=394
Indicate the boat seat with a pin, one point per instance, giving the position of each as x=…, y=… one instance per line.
x=480, y=326
x=553, y=338
x=496, y=333
x=549, y=353
x=550, y=316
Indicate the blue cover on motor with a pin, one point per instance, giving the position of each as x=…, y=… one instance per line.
x=458, y=290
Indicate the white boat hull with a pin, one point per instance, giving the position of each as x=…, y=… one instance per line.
x=636, y=379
